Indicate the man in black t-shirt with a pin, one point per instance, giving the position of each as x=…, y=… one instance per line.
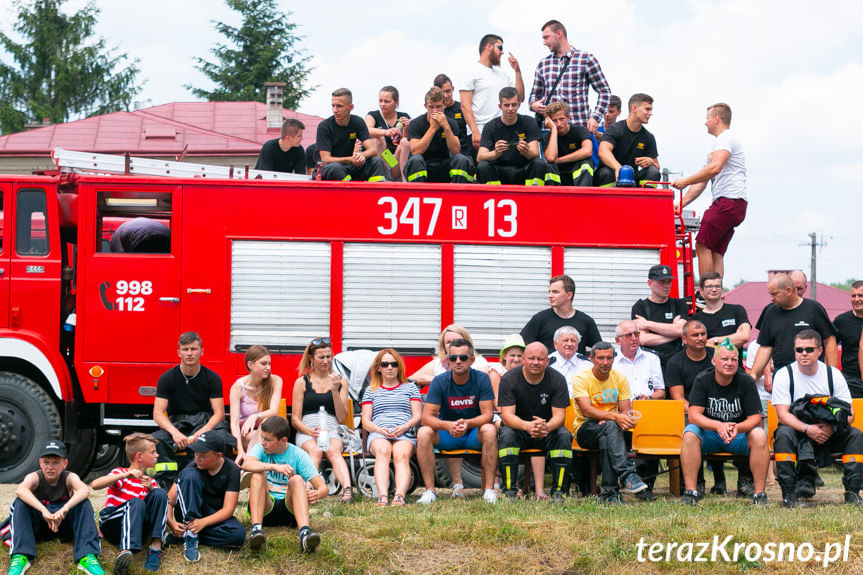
x=452, y=109
x=685, y=365
x=658, y=317
x=542, y=326
x=628, y=143
x=201, y=503
x=188, y=403
x=509, y=148
x=568, y=148
x=533, y=401
x=719, y=318
x=284, y=154
x=849, y=326
x=780, y=322
x=724, y=415
x=345, y=146
x=435, y=147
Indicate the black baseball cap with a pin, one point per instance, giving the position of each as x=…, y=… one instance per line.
x=53, y=447
x=209, y=441
x=660, y=273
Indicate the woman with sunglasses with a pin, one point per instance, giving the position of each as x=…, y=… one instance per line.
x=319, y=385
x=254, y=398
x=391, y=409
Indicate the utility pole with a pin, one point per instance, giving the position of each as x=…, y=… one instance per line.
x=813, y=242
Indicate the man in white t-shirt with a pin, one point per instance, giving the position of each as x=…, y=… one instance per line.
x=726, y=168
x=800, y=441
x=483, y=82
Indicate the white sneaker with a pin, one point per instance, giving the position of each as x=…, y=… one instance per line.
x=427, y=497
x=490, y=496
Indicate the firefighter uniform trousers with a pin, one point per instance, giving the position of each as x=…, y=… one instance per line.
x=457, y=169
x=792, y=469
x=125, y=525
x=372, y=170
x=533, y=174
x=604, y=176
x=28, y=527
x=578, y=175
x=557, y=443
x=191, y=505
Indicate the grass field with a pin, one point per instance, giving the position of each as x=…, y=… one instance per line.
x=527, y=536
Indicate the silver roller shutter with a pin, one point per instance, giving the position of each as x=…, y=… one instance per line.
x=391, y=296
x=608, y=281
x=280, y=293
x=498, y=289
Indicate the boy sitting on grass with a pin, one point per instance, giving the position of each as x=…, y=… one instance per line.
x=278, y=494
x=53, y=502
x=135, y=505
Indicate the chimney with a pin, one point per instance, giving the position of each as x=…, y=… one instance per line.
x=275, y=92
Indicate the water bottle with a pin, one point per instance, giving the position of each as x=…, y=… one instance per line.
x=398, y=137
x=323, y=432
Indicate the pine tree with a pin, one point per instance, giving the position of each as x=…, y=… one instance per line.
x=60, y=69
x=264, y=49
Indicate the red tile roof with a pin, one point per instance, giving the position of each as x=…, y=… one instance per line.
x=207, y=128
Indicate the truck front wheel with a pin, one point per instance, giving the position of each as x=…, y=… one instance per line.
x=28, y=418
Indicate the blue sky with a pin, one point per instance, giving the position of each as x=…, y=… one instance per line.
x=792, y=71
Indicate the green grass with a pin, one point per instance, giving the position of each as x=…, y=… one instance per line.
x=472, y=537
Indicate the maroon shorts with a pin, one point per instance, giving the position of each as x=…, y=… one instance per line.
x=718, y=223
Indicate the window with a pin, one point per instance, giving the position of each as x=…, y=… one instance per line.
x=32, y=218
x=134, y=222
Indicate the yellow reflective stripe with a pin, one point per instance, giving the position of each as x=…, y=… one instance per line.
x=507, y=481
x=494, y=183
x=642, y=182
x=584, y=168
x=168, y=466
x=553, y=177
x=560, y=453
x=462, y=173
x=560, y=478
x=612, y=184
x=347, y=178
x=420, y=174
x=376, y=179
x=534, y=182
x=508, y=451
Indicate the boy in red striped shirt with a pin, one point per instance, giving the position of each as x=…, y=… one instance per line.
x=135, y=505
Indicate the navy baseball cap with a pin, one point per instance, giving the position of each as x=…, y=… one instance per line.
x=209, y=441
x=660, y=273
x=53, y=447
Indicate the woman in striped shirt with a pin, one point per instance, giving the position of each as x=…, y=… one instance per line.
x=391, y=408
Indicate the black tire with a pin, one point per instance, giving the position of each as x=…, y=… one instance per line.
x=82, y=452
x=416, y=477
x=28, y=418
x=107, y=457
x=471, y=474
x=442, y=478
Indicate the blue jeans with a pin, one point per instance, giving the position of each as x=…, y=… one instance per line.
x=712, y=443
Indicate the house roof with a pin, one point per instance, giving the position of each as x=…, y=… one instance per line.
x=207, y=128
x=753, y=296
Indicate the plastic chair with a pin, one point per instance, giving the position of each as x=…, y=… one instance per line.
x=659, y=434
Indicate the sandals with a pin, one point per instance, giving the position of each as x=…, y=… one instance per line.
x=382, y=501
x=347, y=495
x=398, y=500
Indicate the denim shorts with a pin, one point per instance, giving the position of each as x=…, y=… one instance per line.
x=469, y=440
x=712, y=443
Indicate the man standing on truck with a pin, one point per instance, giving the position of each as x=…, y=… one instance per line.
x=188, y=403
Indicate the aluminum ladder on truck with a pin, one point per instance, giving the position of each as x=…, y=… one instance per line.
x=88, y=162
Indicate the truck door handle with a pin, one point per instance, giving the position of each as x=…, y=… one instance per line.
x=198, y=290
x=170, y=299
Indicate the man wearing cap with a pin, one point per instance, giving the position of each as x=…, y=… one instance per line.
x=542, y=326
x=628, y=143
x=726, y=169
x=659, y=318
x=204, y=498
x=188, y=403
x=53, y=502
x=724, y=415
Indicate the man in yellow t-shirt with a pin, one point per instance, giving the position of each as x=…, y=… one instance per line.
x=602, y=404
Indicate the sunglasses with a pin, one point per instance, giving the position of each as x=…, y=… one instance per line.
x=805, y=349
x=389, y=364
x=459, y=357
x=499, y=47
x=321, y=340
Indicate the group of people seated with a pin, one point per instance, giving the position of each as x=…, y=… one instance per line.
x=471, y=406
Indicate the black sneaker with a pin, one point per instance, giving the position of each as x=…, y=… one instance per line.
x=818, y=481
x=759, y=499
x=510, y=494
x=745, y=488
x=718, y=489
x=612, y=498
x=853, y=498
x=690, y=497
x=790, y=501
x=805, y=490
x=257, y=537
x=122, y=562
x=700, y=488
x=700, y=302
x=557, y=497
x=309, y=541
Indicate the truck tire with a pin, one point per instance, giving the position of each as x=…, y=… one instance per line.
x=82, y=452
x=28, y=418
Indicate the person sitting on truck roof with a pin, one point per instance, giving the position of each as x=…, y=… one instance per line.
x=628, y=143
x=509, y=148
x=346, y=148
x=568, y=148
x=435, y=146
x=388, y=128
x=188, y=403
x=284, y=154
x=318, y=388
x=143, y=236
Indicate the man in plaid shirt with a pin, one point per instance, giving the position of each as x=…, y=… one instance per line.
x=582, y=72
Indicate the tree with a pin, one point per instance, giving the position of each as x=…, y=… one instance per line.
x=844, y=286
x=61, y=69
x=265, y=49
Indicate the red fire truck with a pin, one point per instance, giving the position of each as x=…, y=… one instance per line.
x=263, y=261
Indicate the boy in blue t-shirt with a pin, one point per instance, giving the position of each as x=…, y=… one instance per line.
x=278, y=494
